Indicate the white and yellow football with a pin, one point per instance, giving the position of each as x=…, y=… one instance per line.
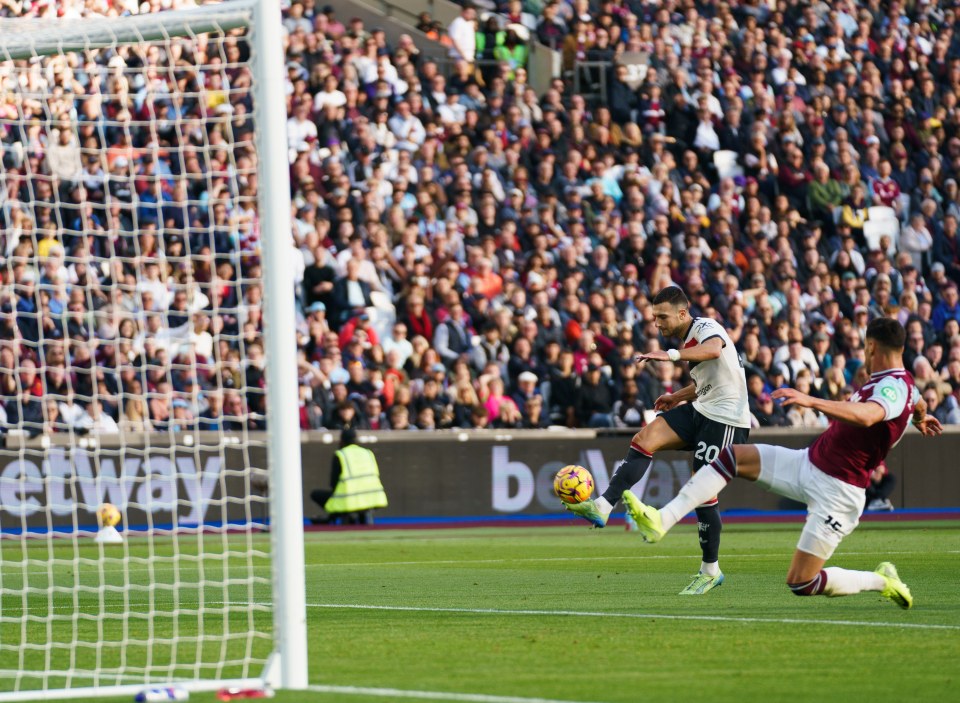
x=108, y=515
x=573, y=484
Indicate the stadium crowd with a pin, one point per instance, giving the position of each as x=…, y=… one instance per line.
x=468, y=252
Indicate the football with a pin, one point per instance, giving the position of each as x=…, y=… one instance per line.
x=573, y=484
x=108, y=515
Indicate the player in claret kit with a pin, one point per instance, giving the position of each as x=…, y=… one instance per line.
x=706, y=416
x=830, y=476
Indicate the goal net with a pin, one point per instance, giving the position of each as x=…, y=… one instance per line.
x=144, y=215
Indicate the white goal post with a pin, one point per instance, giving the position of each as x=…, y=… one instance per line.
x=144, y=209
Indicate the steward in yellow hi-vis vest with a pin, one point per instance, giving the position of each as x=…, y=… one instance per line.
x=355, y=478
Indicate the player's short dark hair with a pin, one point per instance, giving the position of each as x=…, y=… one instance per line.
x=887, y=333
x=673, y=295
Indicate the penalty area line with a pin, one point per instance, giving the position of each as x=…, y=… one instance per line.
x=634, y=616
x=430, y=695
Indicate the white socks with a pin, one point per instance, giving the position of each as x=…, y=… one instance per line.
x=844, y=582
x=703, y=486
x=603, y=505
x=711, y=569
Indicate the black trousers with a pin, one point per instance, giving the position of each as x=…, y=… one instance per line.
x=320, y=496
x=882, y=490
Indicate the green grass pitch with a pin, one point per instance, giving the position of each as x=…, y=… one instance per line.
x=562, y=614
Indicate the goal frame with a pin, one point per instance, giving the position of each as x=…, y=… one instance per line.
x=287, y=665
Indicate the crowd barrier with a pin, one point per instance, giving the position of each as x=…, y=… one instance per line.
x=185, y=480
x=511, y=472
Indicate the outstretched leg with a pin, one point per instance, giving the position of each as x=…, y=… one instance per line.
x=808, y=577
x=652, y=438
x=821, y=533
x=630, y=470
x=736, y=460
x=656, y=436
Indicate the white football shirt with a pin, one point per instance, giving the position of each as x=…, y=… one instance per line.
x=721, y=383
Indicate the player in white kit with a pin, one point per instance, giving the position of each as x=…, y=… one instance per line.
x=830, y=476
x=706, y=416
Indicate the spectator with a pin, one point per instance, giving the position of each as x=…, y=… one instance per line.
x=944, y=405
x=629, y=410
x=882, y=484
x=398, y=343
x=211, y=418
x=533, y=416
x=462, y=33
x=400, y=418
x=825, y=193
x=319, y=280
x=453, y=338
x=513, y=50
x=135, y=418
x=551, y=29
x=24, y=411
x=595, y=399
x=427, y=25
x=946, y=309
x=63, y=156
x=51, y=422
x=490, y=349
x=479, y=419
x=407, y=128
x=550, y=216
x=373, y=416
x=946, y=248
x=350, y=294
x=508, y=416
x=527, y=387
x=95, y=421
x=70, y=412
x=426, y=418
x=803, y=417
x=183, y=419
x=418, y=320
x=436, y=399
x=917, y=241
x=767, y=412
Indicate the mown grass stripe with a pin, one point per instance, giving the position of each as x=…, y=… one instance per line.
x=431, y=695
x=640, y=616
x=518, y=560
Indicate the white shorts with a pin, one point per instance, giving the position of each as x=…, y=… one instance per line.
x=833, y=506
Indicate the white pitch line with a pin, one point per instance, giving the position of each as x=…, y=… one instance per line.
x=430, y=695
x=635, y=616
x=235, y=606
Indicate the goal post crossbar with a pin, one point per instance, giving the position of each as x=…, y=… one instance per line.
x=29, y=37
